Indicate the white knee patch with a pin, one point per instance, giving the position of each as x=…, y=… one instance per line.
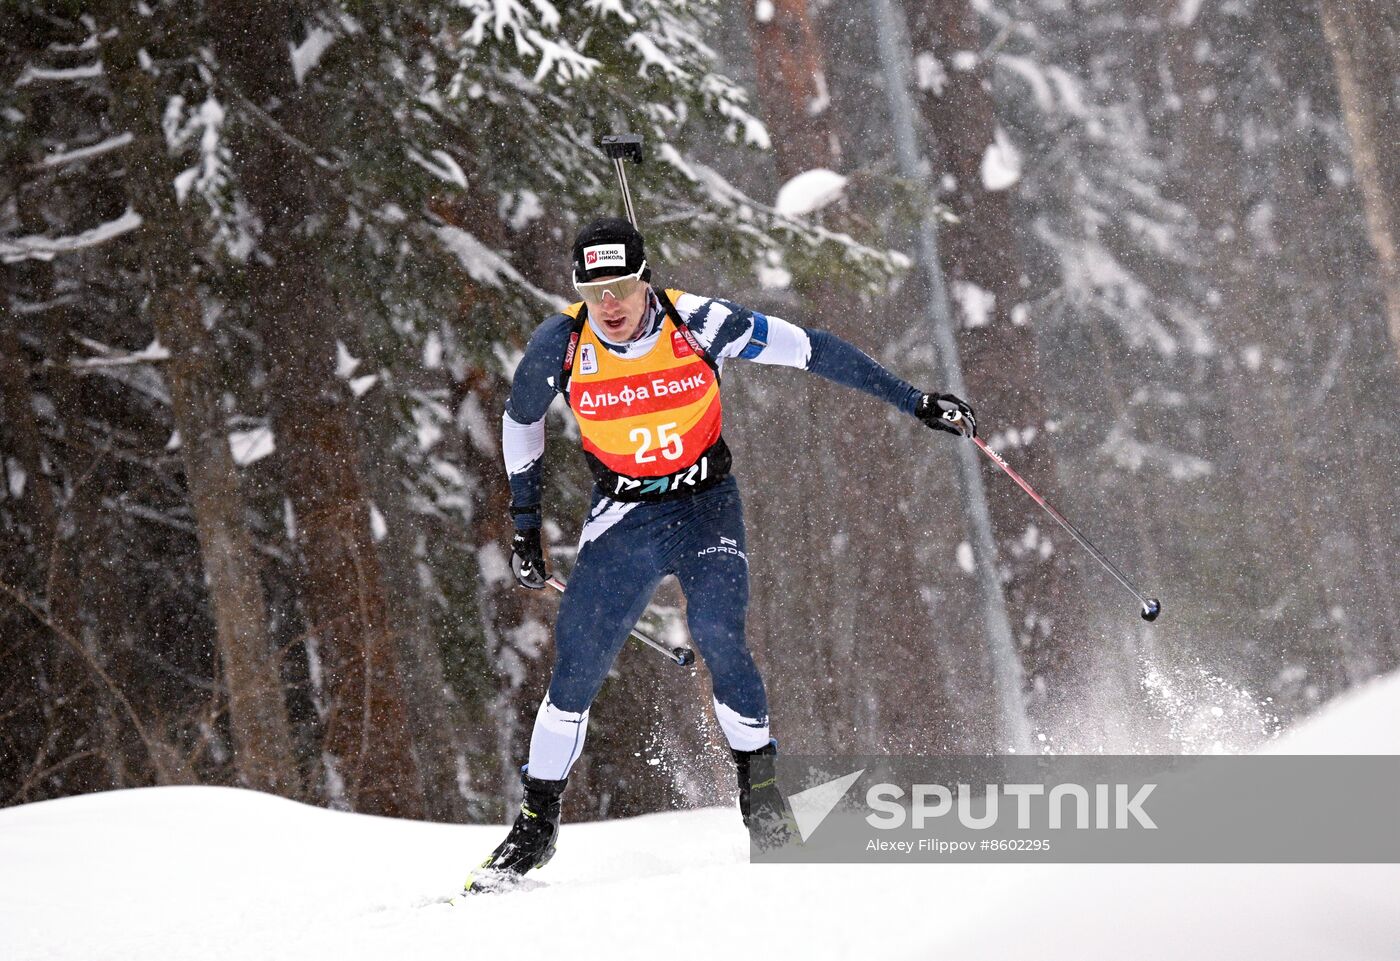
x=557, y=741
x=742, y=733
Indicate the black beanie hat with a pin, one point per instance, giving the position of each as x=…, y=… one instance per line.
x=608, y=247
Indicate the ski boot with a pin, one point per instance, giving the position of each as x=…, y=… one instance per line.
x=530, y=843
x=766, y=813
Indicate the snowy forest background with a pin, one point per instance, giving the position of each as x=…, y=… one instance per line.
x=267, y=267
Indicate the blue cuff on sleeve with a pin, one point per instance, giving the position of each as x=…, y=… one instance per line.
x=527, y=521
x=758, y=339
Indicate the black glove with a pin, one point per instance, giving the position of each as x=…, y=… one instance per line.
x=527, y=559
x=946, y=412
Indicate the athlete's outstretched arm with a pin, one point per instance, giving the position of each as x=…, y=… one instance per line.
x=734, y=331
x=532, y=390
x=837, y=360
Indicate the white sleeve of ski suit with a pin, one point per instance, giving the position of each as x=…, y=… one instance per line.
x=521, y=444
x=729, y=330
x=786, y=345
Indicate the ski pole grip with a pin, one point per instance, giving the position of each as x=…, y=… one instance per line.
x=956, y=418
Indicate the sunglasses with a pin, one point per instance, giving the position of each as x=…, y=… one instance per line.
x=620, y=287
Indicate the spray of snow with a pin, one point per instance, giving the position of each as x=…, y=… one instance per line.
x=1204, y=713
x=763, y=11
x=1170, y=707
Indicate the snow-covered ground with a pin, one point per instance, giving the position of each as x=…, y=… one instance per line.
x=212, y=873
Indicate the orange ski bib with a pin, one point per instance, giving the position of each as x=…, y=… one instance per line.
x=647, y=421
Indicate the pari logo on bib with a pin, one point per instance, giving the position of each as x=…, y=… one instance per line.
x=605, y=255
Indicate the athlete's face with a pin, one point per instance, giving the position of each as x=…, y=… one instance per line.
x=621, y=319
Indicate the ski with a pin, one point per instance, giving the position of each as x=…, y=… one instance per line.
x=486, y=880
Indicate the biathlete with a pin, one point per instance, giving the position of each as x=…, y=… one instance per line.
x=639, y=366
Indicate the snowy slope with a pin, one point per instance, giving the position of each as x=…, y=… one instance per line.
x=211, y=873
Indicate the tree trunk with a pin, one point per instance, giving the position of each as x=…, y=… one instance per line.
x=438, y=723
x=367, y=741
x=23, y=432
x=820, y=689
x=263, y=751
x=1044, y=594
x=792, y=87
x=65, y=531
x=1364, y=38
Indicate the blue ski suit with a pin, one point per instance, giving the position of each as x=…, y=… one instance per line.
x=694, y=530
